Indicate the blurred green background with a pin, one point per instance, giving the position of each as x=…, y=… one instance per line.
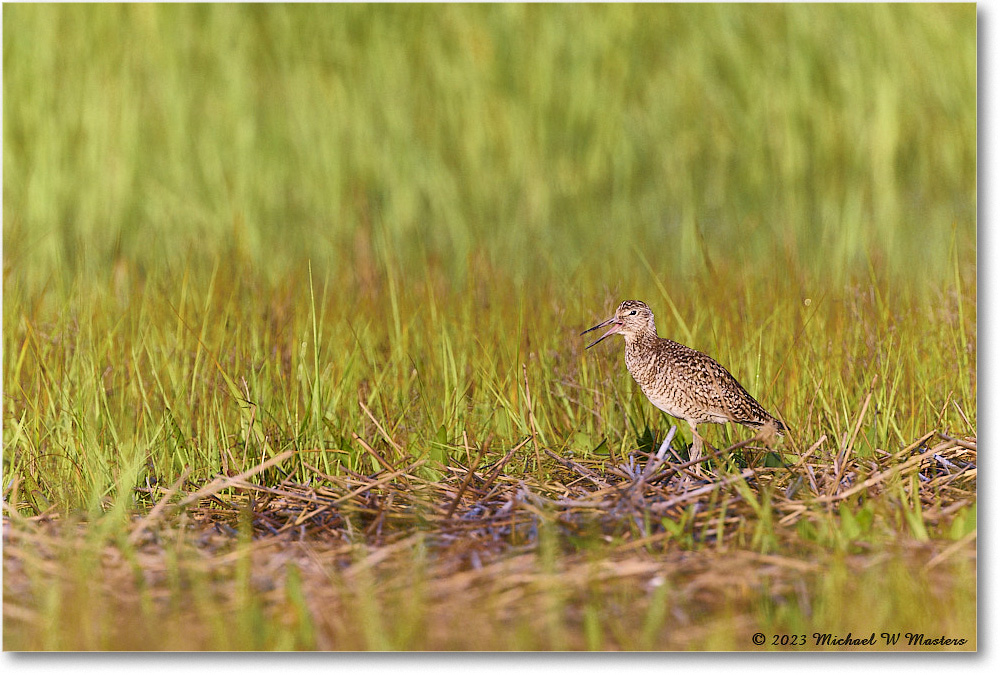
x=550, y=141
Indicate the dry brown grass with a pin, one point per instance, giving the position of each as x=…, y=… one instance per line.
x=636, y=556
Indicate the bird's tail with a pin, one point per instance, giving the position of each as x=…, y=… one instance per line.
x=774, y=423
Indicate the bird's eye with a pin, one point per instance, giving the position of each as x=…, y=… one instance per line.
x=632, y=313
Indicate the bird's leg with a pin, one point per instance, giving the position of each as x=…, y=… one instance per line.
x=696, y=447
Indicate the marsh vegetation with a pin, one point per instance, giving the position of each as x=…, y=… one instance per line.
x=291, y=297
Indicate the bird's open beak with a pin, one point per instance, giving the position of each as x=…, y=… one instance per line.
x=615, y=328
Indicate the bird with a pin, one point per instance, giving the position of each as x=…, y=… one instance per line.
x=681, y=381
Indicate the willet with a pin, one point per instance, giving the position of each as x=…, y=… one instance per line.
x=680, y=381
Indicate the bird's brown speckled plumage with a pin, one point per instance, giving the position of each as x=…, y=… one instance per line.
x=681, y=381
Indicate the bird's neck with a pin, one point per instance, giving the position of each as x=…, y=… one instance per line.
x=646, y=336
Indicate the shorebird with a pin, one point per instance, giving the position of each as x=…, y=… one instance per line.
x=680, y=381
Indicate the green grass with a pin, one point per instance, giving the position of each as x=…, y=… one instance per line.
x=228, y=230
x=821, y=138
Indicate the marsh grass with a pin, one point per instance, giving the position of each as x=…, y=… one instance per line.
x=647, y=562
x=336, y=244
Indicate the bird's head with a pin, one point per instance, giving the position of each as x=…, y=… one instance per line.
x=631, y=318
